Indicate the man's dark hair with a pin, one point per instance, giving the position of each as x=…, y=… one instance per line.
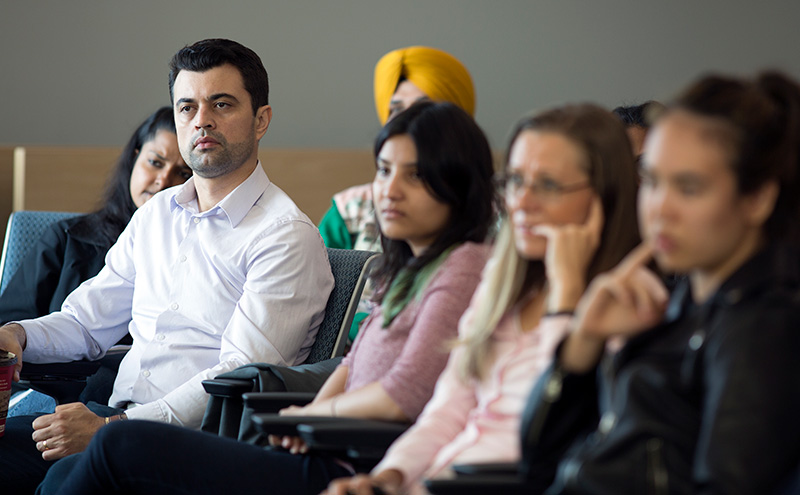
x=208, y=54
x=639, y=115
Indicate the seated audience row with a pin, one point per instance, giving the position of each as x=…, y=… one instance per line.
x=699, y=389
x=636, y=388
x=570, y=217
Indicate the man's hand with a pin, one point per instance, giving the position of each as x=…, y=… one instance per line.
x=67, y=431
x=13, y=339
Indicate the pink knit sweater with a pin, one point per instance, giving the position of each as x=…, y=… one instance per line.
x=477, y=421
x=408, y=356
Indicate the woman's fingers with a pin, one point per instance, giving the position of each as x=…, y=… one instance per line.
x=638, y=257
x=625, y=301
x=651, y=295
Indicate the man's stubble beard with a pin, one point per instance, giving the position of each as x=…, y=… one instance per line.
x=224, y=160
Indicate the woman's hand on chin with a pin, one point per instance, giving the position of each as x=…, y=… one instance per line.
x=570, y=249
x=621, y=303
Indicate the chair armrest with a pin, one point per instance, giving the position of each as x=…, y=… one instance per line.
x=479, y=485
x=487, y=469
x=273, y=424
x=227, y=387
x=74, y=370
x=272, y=402
x=351, y=433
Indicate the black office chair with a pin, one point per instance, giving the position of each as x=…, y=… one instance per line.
x=226, y=414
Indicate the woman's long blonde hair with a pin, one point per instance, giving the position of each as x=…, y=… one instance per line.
x=507, y=276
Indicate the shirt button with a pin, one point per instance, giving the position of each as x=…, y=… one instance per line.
x=196, y=220
x=734, y=296
x=160, y=337
x=607, y=423
x=174, y=306
x=183, y=258
x=145, y=373
x=696, y=340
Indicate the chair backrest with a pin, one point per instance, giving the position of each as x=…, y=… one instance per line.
x=350, y=270
x=24, y=229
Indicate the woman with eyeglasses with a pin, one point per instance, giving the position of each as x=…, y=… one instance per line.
x=569, y=187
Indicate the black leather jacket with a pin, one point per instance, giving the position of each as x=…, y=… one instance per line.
x=707, y=402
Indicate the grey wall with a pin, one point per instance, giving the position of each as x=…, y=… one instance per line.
x=83, y=72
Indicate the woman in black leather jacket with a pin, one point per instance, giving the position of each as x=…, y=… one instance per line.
x=704, y=394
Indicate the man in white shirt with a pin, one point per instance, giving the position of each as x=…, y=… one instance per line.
x=219, y=272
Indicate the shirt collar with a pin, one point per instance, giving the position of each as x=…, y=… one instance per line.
x=235, y=205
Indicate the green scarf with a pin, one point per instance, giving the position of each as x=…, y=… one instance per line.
x=397, y=298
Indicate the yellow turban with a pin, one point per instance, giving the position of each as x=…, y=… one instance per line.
x=438, y=74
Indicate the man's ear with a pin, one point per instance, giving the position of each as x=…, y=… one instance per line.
x=759, y=204
x=263, y=117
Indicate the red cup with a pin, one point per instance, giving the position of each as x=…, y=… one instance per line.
x=7, y=362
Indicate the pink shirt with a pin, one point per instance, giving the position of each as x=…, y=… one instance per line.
x=408, y=356
x=477, y=422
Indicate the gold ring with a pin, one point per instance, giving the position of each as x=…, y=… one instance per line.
x=44, y=444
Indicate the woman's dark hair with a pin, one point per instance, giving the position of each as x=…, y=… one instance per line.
x=454, y=162
x=759, y=121
x=609, y=162
x=117, y=204
x=208, y=54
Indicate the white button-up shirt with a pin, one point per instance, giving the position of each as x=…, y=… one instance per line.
x=201, y=294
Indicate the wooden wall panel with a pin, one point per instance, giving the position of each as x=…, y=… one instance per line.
x=72, y=179
x=6, y=187
x=311, y=177
x=60, y=178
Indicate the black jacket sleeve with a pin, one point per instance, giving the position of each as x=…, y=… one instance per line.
x=30, y=292
x=752, y=383
x=562, y=409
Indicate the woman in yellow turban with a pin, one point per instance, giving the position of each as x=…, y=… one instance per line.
x=402, y=77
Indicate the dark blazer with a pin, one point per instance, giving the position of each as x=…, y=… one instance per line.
x=70, y=252
x=707, y=402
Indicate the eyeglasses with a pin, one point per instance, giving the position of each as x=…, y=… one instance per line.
x=512, y=184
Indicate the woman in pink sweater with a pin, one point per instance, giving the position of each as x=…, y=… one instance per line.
x=569, y=186
x=434, y=202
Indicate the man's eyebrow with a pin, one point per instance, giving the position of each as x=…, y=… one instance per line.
x=214, y=97
x=217, y=96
